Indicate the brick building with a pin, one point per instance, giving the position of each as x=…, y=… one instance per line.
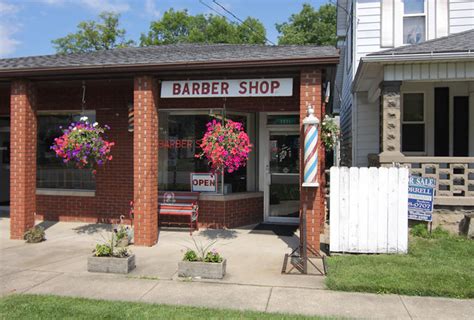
x=173, y=92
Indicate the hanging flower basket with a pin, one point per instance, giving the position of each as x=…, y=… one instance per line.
x=225, y=145
x=84, y=145
x=330, y=132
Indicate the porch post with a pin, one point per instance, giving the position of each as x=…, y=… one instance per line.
x=23, y=127
x=145, y=161
x=310, y=94
x=391, y=122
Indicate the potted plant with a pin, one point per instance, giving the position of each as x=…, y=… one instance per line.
x=202, y=262
x=34, y=235
x=109, y=258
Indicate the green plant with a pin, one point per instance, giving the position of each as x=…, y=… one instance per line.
x=190, y=255
x=34, y=235
x=329, y=132
x=109, y=249
x=440, y=233
x=201, y=252
x=420, y=230
x=103, y=250
x=213, y=256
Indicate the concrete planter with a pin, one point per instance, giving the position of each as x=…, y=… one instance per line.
x=205, y=270
x=111, y=264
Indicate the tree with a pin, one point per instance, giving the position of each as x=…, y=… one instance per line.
x=94, y=35
x=181, y=27
x=310, y=26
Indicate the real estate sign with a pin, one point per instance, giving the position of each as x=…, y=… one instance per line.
x=420, y=198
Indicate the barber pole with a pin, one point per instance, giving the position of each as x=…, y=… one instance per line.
x=311, y=147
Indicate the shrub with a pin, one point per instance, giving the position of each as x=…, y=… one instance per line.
x=34, y=235
x=420, y=230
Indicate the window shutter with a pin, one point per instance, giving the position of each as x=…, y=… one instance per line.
x=386, y=35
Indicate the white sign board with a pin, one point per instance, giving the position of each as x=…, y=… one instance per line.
x=203, y=182
x=278, y=87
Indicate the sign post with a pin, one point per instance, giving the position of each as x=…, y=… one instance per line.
x=420, y=198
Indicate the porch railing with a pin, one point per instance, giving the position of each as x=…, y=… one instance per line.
x=454, y=177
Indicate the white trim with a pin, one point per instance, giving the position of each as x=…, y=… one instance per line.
x=65, y=192
x=264, y=161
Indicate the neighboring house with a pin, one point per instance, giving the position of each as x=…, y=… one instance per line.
x=406, y=89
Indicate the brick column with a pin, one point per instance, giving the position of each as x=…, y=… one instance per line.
x=310, y=93
x=391, y=122
x=23, y=128
x=145, y=160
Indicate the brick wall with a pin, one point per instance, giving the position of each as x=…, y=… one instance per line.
x=23, y=164
x=310, y=88
x=114, y=181
x=145, y=160
x=223, y=214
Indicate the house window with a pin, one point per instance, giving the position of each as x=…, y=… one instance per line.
x=413, y=123
x=414, y=21
x=179, y=137
x=52, y=172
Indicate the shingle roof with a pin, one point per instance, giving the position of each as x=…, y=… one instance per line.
x=458, y=42
x=168, y=54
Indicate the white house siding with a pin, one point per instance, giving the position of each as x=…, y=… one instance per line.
x=367, y=32
x=461, y=15
x=367, y=121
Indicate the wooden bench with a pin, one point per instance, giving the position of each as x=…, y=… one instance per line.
x=180, y=204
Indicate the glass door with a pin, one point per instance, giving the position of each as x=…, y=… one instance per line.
x=283, y=177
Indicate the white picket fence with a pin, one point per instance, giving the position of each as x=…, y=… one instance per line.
x=368, y=210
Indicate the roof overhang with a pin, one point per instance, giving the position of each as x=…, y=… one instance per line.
x=371, y=68
x=153, y=68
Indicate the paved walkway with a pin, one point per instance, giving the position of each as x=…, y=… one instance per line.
x=58, y=266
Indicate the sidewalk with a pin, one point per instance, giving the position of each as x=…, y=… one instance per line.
x=58, y=266
x=234, y=296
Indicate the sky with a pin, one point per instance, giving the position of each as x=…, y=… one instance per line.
x=28, y=26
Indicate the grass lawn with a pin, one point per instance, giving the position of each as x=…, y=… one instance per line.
x=433, y=267
x=55, y=307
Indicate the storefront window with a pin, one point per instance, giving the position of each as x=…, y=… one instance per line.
x=179, y=137
x=52, y=172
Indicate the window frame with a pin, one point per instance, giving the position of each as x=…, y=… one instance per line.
x=403, y=122
x=252, y=170
x=65, y=191
x=414, y=15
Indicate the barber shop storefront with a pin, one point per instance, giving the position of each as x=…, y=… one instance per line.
x=158, y=105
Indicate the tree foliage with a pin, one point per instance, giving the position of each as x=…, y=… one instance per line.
x=181, y=27
x=94, y=35
x=310, y=26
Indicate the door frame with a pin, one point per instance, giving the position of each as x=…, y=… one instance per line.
x=264, y=162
